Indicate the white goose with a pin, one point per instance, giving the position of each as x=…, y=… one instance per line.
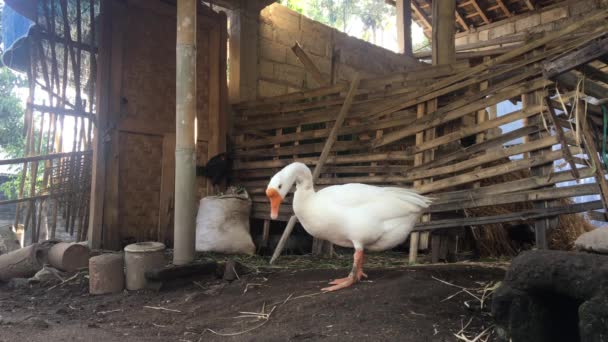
x=351, y=215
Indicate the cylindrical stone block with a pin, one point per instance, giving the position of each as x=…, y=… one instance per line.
x=69, y=257
x=139, y=258
x=106, y=273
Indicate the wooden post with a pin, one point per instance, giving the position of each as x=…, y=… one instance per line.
x=443, y=43
x=444, y=52
x=404, y=26
x=541, y=225
x=333, y=135
x=108, y=74
x=185, y=147
x=243, y=54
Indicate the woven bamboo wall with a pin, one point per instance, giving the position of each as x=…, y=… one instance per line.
x=377, y=143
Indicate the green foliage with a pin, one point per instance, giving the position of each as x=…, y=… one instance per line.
x=342, y=14
x=12, y=138
x=12, y=141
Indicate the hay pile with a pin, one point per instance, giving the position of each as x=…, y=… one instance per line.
x=494, y=240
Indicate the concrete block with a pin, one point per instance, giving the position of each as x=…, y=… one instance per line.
x=483, y=35
x=527, y=22
x=462, y=40
x=106, y=273
x=315, y=45
x=472, y=38
x=269, y=89
x=312, y=27
x=290, y=74
x=266, y=31
x=501, y=31
x=287, y=38
x=266, y=69
x=282, y=17
x=553, y=15
x=272, y=51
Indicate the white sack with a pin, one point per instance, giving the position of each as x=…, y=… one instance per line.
x=222, y=224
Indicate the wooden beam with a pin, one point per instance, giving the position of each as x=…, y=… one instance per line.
x=522, y=216
x=421, y=15
x=561, y=137
x=529, y=4
x=504, y=8
x=462, y=22
x=573, y=59
x=590, y=147
x=309, y=65
x=109, y=81
x=570, y=80
x=404, y=26
x=593, y=73
x=443, y=42
x=479, y=10
x=354, y=84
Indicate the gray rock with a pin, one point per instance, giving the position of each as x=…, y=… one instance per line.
x=47, y=275
x=594, y=241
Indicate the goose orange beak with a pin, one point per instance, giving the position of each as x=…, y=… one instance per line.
x=275, y=202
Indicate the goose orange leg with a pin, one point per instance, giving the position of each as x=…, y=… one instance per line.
x=355, y=275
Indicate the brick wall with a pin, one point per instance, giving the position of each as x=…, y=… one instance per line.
x=548, y=19
x=279, y=70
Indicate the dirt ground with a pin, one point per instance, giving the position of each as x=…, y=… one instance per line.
x=399, y=304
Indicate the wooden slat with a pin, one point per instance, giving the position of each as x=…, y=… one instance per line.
x=560, y=135
x=590, y=146
x=521, y=216
x=571, y=60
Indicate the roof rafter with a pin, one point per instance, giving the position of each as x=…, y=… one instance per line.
x=461, y=21
x=423, y=17
x=480, y=11
x=504, y=8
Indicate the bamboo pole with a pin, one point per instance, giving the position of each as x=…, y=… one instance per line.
x=322, y=159
x=185, y=147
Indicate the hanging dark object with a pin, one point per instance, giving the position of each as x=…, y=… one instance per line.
x=217, y=168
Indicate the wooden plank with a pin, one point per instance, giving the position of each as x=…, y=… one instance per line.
x=421, y=15
x=322, y=159
x=504, y=8
x=462, y=22
x=435, y=119
x=479, y=147
x=570, y=80
x=522, y=216
x=494, y=171
x=167, y=191
x=108, y=80
x=480, y=11
x=590, y=147
x=561, y=137
x=517, y=197
x=309, y=65
x=573, y=59
x=443, y=42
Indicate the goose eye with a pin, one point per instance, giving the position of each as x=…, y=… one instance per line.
x=280, y=186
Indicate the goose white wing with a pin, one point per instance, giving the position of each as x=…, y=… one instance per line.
x=386, y=202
